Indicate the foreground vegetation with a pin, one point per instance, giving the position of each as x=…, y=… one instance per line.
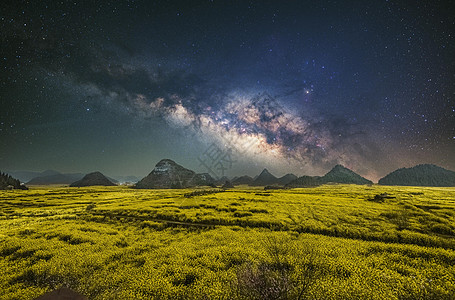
x=329, y=242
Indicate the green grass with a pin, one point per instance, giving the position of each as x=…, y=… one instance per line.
x=329, y=242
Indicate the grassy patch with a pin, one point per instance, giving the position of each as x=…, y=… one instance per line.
x=329, y=242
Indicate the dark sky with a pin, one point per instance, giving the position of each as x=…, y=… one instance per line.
x=228, y=87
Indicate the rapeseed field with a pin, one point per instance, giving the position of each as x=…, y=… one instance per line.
x=328, y=242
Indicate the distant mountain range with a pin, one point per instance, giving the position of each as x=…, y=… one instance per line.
x=169, y=174
x=266, y=178
x=92, y=179
x=286, y=179
x=339, y=174
x=420, y=175
x=49, y=177
x=55, y=179
x=26, y=176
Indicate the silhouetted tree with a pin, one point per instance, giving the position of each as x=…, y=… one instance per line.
x=8, y=181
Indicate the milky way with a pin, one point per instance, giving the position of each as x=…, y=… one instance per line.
x=254, y=125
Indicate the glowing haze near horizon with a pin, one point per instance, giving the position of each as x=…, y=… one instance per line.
x=292, y=86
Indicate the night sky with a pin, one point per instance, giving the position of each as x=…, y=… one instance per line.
x=227, y=87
